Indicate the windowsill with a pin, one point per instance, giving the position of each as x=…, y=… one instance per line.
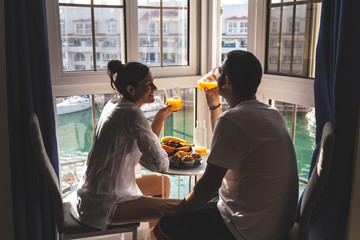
x=287, y=89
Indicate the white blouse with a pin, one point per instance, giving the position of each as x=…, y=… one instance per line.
x=122, y=135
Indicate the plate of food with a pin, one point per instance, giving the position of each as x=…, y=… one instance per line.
x=173, y=144
x=180, y=153
x=185, y=160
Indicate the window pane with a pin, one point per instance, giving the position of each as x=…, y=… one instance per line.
x=234, y=26
x=108, y=2
x=75, y=134
x=301, y=33
x=275, y=1
x=286, y=35
x=75, y=1
x=78, y=43
x=149, y=3
x=174, y=3
x=76, y=38
x=149, y=36
x=109, y=40
x=181, y=123
x=150, y=109
x=274, y=39
x=175, y=37
x=304, y=141
x=163, y=34
x=292, y=38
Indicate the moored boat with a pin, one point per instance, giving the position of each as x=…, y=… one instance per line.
x=73, y=104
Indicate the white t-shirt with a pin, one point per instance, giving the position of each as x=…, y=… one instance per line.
x=259, y=193
x=122, y=135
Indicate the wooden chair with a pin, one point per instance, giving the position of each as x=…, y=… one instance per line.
x=316, y=184
x=67, y=226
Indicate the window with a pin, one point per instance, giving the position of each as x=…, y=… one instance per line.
x=297, y=27
x=274, y=27
x=171, y=17
x=165, y=28
x=234, y=26
x=295, y=58
x=243, y=27
x=80, y=67
x=79, y=28
x=62, y=28
x=302, y=127
x=80, y=19
x=79, y=57
x=112, y=28
x=77, y=117
x=152, y=28
x=179, y=56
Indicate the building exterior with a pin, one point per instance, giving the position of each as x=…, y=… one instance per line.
x=233, y=28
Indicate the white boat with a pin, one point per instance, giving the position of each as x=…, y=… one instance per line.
x=150, y=109
x=73, y=104
x=310, y=117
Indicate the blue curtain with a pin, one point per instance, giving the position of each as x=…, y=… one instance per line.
x=337, y=92
x=29, y=90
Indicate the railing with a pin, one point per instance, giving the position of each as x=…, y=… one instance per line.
x=294, y=107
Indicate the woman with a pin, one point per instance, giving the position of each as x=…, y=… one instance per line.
x=110, y=193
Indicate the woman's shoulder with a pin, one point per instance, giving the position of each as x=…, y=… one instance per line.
x=127, y=109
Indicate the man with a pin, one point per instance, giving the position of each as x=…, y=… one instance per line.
x=252, y=166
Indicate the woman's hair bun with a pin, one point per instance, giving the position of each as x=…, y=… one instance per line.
x=115, y=66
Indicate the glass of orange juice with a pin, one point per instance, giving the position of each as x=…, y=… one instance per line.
x=208, y=81
x=173, y=97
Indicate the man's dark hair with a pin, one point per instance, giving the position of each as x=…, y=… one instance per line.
x=244, y=71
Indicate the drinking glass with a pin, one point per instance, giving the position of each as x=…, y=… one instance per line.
x=173, y=97
x=209, y=80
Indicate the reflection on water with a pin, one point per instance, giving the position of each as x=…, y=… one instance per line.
x=75, y=132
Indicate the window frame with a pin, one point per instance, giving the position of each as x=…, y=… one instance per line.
x=289, y=89
x=205, y=46
x=96, y=82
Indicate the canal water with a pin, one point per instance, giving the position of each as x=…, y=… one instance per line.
x=75, y=131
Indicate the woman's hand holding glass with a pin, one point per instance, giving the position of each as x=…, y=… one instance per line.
x=164, y=111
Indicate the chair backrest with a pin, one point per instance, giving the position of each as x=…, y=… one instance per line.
x=47, y=169
x=317, y=180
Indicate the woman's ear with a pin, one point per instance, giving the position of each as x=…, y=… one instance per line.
x=130, y=90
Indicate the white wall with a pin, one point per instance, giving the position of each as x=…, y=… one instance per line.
x=6, y=218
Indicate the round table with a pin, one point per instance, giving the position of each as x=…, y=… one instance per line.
x=199, y=170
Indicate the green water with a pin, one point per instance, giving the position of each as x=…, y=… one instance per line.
x=75, y=132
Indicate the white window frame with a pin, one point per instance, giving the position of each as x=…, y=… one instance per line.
x=79, y=28
x=165, y=28
x=282, y=88
x=242, y=27
x=90, y=82
x=232, y=27
x=204, y=51
x=152, y=28
x=112, y=27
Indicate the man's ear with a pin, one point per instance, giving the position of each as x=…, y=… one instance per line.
x=227, y=83
x=130, y=90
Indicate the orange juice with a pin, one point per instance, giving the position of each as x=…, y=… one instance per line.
x=206, y=83
x=200, y=150
x=175, y=102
